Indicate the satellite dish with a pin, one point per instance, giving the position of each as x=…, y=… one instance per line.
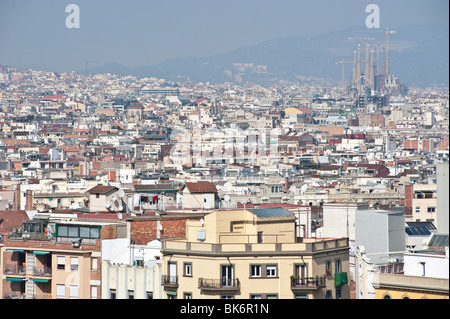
x=120, y=208
x=113, y=197
x=108, y=204
x=119, y=215
x=97, y=177
x=160, y=227
x=227, y=198
x=202, y=221
x=121, y=193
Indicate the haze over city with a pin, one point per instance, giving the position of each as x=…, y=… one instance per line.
x=145, y=33
x=210, y=150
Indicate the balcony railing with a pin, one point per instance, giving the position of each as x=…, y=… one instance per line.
x=169, y=281
x=14, y=295
x=299, y=283
x=15, y=270
x=218, y=284
x=42, y=271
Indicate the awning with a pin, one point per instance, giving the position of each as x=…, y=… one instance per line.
x=40, y=280
x=20, y=250
x=37, y=252
x=171, y=293
x=14, y=279
x=340, y=279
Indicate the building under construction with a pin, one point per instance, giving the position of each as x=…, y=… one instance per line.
x=374, y=84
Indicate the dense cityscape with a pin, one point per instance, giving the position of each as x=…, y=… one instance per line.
x=123, y=187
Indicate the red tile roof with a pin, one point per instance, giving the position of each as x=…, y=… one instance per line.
x=205, y=187
x=102, y=189
x=10, y=219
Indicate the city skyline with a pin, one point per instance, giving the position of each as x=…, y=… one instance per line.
x=148, y=33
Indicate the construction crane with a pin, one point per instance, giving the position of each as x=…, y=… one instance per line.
x=366, y=38
x=343, y=76
x=19, y=97
x=387, y=32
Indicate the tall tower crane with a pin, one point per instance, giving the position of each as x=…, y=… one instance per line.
x=343, y=70
x=387, y=32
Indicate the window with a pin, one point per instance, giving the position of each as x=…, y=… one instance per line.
x=78, y=231
x=271, y=270
x=73, y=263
x=60, y=291
x=422, y=264
x=62, y=231
x=93, y=292
x=328, y=267
x=260, y=237
x=337, y=265
x=328, y=295
x=94, y=264
x=255, y=271
x=417, y=209
x=97, y=195
x=84, y=232
x=187, y=295
x=431, y=209
x=255, y=297
x=187, y=269
x=149, y=295
x=130, y=294
x=338, y=293
x=73, y=289
x=61, y=263
x=112, y=294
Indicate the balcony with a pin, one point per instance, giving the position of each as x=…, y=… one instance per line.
x=14, y=295
x=42, y=271
x=218, y=284
x=307, y=283
x=15, y=270
x=169, y=281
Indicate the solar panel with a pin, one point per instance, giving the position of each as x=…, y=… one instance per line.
x=438, y=241
x=420, y=228
x=271, y=212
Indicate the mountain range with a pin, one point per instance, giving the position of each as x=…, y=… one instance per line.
x=419, y=56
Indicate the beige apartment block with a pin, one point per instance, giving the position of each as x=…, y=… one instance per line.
x=424, y=202
x=253, y=254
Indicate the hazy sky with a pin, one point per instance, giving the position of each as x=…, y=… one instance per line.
x=33, y=33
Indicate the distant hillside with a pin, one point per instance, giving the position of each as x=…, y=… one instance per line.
x=419, y=56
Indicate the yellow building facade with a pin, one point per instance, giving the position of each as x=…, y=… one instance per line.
x=253, y=254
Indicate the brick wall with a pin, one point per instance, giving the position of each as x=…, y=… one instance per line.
x=144, y=231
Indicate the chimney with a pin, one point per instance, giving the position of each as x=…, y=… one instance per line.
x=286, y=184
x=29, y=200
x=17, y=198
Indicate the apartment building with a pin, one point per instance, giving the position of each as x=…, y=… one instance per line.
x=55, y=258
x=253, y=254
x=421, y=198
